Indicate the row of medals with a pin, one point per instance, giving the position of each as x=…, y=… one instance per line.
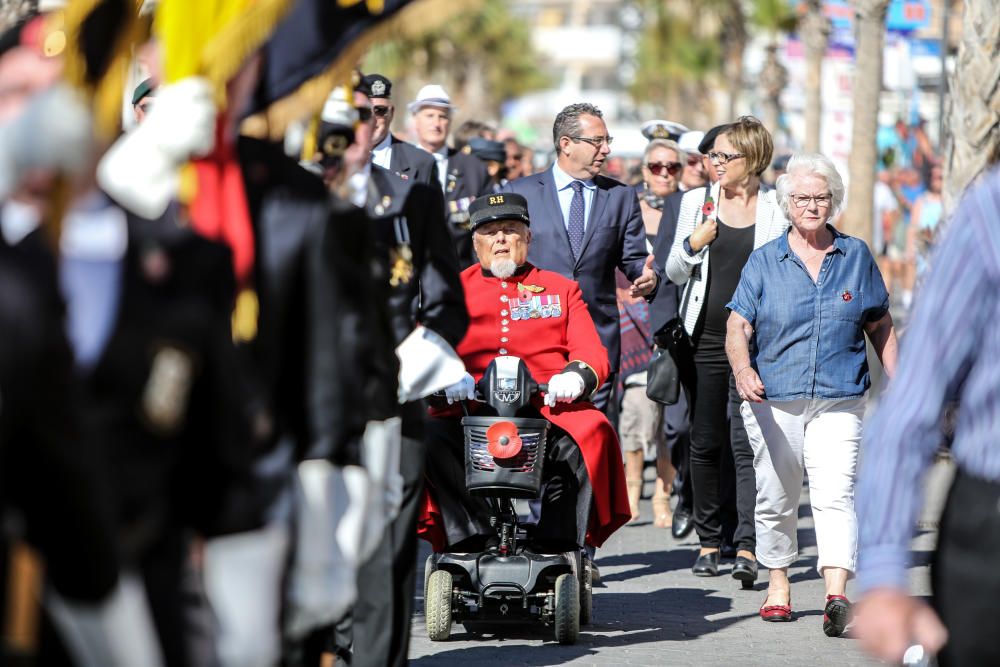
x=534, y=313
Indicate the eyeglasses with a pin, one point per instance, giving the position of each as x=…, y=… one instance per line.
x=822, y=201
x=658, y=168
x=596, y=142
x=380, y=110
x=693, y=160
x=724, y=158
x=364, y=114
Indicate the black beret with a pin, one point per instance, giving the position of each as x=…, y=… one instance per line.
x=374, y=85
x=484, y=149
x=144, y=89
x=501, y=206
x=709, y=141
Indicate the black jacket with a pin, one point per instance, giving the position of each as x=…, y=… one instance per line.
x=467, y=179
x=663, y=307
x=412, y=163
x=434, y=297
x=48, y=475
x=323, y=350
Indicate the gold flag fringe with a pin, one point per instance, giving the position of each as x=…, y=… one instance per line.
x=224, y=54
x=104, y=94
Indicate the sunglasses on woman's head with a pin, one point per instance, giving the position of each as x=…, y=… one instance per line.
x=658, y=168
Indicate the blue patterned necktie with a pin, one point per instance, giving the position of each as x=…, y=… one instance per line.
x=575, y=227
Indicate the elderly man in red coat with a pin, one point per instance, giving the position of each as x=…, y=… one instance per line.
x=539, y=316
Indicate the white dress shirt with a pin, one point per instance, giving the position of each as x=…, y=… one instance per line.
x=382, y=154
x=565, y=193
x=441, y=157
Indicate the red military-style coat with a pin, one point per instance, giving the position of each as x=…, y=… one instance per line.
x=540, y=317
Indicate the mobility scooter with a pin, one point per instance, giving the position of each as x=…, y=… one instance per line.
x=508, y=581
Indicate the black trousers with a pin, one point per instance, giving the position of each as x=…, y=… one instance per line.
x=566, y=491
x=381, y=616
x=965, y=577
x=677, y=430
x=721, y=465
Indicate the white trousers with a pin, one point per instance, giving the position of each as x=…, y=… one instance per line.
x=822, y=438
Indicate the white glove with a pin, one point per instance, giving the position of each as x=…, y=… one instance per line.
x=564, y=388
x=427, y=363
x=140, y=169
x=463, y=390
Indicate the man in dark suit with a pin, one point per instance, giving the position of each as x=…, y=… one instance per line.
x=462, y=176
x=389, y=151
x=419, y=291
x=585, y=225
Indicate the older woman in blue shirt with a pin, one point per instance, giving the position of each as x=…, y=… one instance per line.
x=807, y=300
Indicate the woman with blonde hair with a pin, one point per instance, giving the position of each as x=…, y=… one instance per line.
x=717, y=229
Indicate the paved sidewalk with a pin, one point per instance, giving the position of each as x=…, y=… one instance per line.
x=653, y=611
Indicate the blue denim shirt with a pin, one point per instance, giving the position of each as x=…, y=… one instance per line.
x=810, y=338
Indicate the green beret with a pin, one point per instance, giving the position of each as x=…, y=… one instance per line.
x=145, y=89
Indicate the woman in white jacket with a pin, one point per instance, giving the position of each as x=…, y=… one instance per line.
x=724, y=222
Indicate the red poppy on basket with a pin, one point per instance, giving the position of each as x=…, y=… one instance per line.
x=709, y=208
x=503, y=442
x=846, y=296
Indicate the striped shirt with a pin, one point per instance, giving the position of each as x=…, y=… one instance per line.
x=951, y=351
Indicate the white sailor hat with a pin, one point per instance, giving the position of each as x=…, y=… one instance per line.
x=662, y=129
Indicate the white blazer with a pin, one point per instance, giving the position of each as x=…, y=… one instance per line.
x=691, y=270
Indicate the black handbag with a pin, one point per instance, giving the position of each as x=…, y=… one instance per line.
x=663, y=382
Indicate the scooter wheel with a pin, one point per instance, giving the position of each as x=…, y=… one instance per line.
x=429, y=569
x=437, y=606
x=567, y=609
x=586, y=593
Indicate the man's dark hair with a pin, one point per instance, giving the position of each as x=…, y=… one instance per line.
x=471, y=128
x=567, y=123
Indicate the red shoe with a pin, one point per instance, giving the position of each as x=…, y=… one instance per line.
x=777, y=613
x=836, y=615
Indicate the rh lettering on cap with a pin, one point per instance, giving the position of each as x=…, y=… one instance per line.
x=496, y=199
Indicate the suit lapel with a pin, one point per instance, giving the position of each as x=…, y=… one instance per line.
x=596, y=216
x=548, y=187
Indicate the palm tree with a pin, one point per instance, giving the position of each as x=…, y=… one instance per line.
x=482, y=55
x=814, y=29
x=870, y=31
x=971, y=132
x=774, y=17
x=676, y=57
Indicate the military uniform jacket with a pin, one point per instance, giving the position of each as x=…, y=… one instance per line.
x=466, y=179
x=614, y=238
x=324, y=351
x=411, y=163
x=403, y=216
x=47, y=475
x=540, y=317
x=166, y=394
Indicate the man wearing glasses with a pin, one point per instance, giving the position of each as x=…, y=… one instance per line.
x=391, y=152
x=585, y=225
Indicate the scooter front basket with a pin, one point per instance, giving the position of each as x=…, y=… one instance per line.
x=519, y=476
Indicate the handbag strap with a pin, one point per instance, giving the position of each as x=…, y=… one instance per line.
x=688, y=286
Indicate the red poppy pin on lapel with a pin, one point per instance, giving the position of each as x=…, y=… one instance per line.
x=846, y=296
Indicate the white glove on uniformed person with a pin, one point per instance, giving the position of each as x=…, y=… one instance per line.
x=463, y=390
x=140, y=169
x=564, y=388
